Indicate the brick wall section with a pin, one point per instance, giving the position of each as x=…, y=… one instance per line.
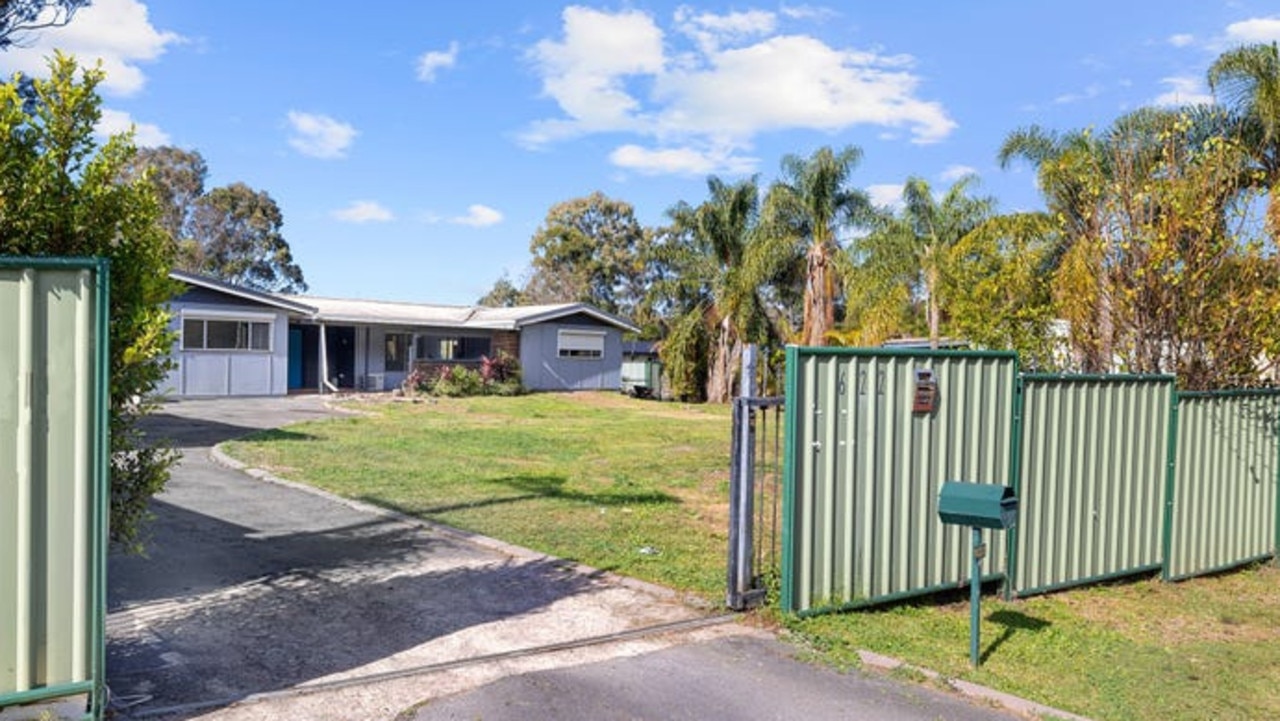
x=507, y=341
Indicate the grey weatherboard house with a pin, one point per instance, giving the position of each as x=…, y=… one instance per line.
x=235, y=341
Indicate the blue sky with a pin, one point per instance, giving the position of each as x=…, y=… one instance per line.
x=415, y=148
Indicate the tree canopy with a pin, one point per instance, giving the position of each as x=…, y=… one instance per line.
x=61, y=195
x=592, y=250
x=232, y=233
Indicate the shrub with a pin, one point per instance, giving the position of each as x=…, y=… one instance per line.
x=497, y=376
x=457, y=382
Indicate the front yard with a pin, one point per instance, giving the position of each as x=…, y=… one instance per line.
x=640, y=488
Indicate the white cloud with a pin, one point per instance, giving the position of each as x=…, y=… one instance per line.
x=434, y=60
x=363, y=211
x=709, y=30
x=956, y=172
x=1181, y=40
x=478, y=216
x=680, y=161
x=117, y=32
x=1184, y=90
x=1088, y=93
x=145, y=135
x=886, y=195
x=320, y=136
x=618, y=72
x=1255, y=30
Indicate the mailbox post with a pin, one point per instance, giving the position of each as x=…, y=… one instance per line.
x=979, y=506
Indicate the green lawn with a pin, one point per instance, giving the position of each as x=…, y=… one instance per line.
x=631, y=486
x=640, y=488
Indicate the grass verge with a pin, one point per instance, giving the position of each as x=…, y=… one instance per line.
x=640, y=488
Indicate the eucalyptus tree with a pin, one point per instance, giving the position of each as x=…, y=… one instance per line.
x=592, y=250
x=720, y=304
x=911, y=249
x=804, y=216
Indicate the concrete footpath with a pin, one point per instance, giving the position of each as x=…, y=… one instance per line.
x=264, y=600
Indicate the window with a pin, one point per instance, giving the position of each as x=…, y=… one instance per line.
x=452, y=348
x=583, y=344
x=397, y=352
x=211, y=334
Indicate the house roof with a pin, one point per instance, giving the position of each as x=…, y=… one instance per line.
x=277, y=300
x=382, y=312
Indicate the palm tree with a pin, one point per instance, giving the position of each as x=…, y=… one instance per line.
x=804, y=214
x=1071, y=171
x=709, y=251
x=1248, y=79
x=913, y=246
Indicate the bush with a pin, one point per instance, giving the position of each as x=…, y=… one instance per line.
x=457, y=382
x=498, y=376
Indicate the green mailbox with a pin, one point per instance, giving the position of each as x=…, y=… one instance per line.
x=978, y=505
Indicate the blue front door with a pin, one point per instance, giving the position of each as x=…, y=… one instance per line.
x=295, y=357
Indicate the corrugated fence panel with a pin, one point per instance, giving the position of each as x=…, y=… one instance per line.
x=51, y=476
x=1224, y=500
x=1094, y=465
x=860, y=518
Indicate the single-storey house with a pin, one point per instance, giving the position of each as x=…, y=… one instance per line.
x=235, y=341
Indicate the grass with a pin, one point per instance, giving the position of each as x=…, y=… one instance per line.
x=640, y=488
x=631, y=486
x=1200, y=649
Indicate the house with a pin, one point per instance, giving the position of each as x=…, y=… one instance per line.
x=235, y=341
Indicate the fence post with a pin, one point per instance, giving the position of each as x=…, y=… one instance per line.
x=741, y=490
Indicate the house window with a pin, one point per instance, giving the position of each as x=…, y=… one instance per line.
x=212, y=334
x=583, y=344
x=452, y=348
x=397, y=352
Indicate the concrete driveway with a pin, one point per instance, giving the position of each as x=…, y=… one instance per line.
x=263, y=600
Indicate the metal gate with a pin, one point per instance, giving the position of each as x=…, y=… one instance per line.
x=53, y=481
x=755, y=474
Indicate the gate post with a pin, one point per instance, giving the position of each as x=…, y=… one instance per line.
x=742, y=491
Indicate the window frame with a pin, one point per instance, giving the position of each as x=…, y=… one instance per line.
x=406, y=349
x=580, y=351
x=249, y=327
x=460, y=343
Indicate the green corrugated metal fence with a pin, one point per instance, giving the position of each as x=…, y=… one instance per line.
x=1116, y=475
x=1094, y=466
x=860, y=520
x=53, y=479
x=1224, y=498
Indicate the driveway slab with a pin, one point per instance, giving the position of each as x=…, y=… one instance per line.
x=251, y=589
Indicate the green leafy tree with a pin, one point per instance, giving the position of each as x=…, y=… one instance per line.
x=503, y=294
x=232, y=233
x=590, y=250
x=60, y=195
x=712, y=283
x=239, y=241
x=1248, y=80
x=803, y=217
x=908, y=253
x=1071, y=172
x=178, y=176
x=997, y=283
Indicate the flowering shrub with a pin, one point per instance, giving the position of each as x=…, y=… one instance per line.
x=498, y=375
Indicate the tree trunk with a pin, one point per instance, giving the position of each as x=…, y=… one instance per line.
x=935, y=315
x=726, y=356
x=819, y=307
